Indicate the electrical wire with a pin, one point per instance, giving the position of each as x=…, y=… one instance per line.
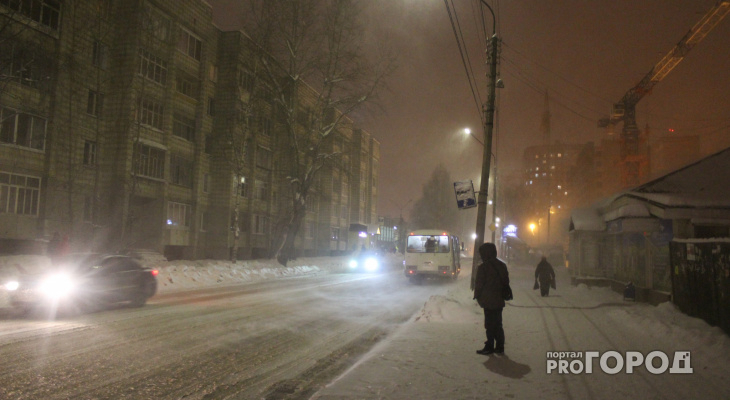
x=466, y=52
x=469, y=76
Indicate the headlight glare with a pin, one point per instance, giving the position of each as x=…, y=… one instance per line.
x=12, y=285
x=371, y=264
x=353, y=263
x=57, y=286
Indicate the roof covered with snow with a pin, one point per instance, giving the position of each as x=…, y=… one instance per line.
x=701, y=184
x=586, y=219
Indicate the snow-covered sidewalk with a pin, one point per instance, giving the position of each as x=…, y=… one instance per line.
x=433, y=356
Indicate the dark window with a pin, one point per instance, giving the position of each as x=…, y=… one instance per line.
x=183, y=127
x=149, y=112
x=187, y=86
x=190, y=45
x=211, y=106
x=19, y=194
x=22, y=129
x=263, y=158
x=150, y=161
x=246, y=80
x=94, y=103
x=181, y=171
x=152, y=67
x=100, y=55
x=89, y=152
x=46, y=12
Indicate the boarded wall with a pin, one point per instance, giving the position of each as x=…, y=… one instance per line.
x=701, y=280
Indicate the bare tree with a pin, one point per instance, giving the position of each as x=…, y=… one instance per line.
x=313, y=58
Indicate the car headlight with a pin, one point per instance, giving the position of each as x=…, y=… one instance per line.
x=371, y=264
x=11, y=285
x=353, y=264
x=57, y=286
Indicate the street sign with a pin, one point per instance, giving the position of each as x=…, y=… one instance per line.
x=465, y=197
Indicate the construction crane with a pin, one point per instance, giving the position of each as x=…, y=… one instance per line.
x=635, y=161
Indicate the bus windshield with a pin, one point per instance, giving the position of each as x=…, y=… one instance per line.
x=427, y=244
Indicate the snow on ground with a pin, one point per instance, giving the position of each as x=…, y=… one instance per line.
x=432, y=356
x=185, y=274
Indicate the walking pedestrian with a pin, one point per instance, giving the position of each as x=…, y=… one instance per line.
x=545, y=275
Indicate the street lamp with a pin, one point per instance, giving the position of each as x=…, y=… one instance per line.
x=486, y=157
x=532, y=228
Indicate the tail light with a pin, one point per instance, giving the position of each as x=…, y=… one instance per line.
x=154, y=272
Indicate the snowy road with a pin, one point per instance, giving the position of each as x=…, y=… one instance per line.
x=282, y=338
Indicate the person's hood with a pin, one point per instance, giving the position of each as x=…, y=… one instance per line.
x=488, y=251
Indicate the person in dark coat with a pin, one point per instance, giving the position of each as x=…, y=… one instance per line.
x=545, y=274
x=491, y=277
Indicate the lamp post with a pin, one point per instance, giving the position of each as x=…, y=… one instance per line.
x=486, y=157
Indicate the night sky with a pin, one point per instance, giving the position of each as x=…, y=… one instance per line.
x=586, y=54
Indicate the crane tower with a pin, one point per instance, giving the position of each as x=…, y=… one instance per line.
x=634, y=161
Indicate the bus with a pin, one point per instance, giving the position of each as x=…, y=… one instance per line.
x=431, y=253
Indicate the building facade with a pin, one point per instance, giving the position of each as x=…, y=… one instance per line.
x=121, y=127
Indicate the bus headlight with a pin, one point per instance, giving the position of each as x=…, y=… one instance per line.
x=353, y=264
x=11, y=285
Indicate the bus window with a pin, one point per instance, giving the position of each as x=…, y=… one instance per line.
x=427, y=244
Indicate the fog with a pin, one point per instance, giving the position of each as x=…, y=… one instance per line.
x=585, y=56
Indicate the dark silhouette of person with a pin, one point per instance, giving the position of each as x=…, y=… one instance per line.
x=491, y=277
x=545, y=275
x=431, y=245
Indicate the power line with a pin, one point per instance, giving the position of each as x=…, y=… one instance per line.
x=466, y=52
x=463, y=61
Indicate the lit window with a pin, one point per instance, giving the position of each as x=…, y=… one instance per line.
x=178, y=215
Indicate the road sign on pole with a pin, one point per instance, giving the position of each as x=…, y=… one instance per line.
x=465, y=197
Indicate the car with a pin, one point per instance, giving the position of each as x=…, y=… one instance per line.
x=365, y=261
x=83, y=280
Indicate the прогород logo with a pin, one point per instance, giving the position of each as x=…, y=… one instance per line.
x=613, y=362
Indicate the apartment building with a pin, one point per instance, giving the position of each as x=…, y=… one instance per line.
x=121, y=127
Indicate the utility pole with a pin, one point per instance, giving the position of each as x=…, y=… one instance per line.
x=487, y=156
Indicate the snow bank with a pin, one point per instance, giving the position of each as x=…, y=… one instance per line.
x=185, y=274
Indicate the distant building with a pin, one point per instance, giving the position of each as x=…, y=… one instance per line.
x=117, y=120
x=668, y=153
x=547, y=185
